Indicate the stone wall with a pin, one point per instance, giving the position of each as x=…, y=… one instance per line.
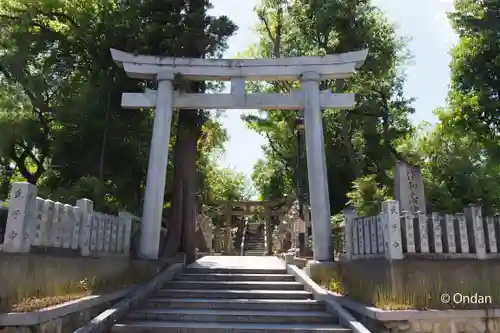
x=421, y=277
x=456, y=325
x=65, y=324
x=25, y=272
x=421, y=321
x=471, y=322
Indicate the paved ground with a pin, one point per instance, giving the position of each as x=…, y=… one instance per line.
x=241, y=262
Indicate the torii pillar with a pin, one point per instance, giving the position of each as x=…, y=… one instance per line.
x=309, y=70
x=157, y=168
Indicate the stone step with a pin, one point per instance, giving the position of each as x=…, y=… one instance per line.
x=235, y=285
x=236, y=304
x=234, y=294
x=235, y=277
x=232, y=316
x=203, y=327
x=236, y=270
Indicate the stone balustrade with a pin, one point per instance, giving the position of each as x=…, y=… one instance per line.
x=394, y=235
x=43, y=223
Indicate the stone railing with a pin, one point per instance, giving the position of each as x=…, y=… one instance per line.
x=394, y=235
x=36, y=222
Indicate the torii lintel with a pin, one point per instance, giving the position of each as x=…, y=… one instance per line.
x=335, y=66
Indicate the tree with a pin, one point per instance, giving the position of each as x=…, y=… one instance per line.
x=71, y=129
x=225, y=184
x=58, y=53
x=358, y=142
x=210, y=35
x=474, y=96
x=457, y=167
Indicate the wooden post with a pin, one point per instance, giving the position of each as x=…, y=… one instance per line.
x=217, y=240
x=269, y=232
x=227, y=229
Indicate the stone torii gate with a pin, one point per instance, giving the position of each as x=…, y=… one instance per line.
x=309, y=70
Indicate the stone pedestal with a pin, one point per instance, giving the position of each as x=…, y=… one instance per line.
x=314, y=267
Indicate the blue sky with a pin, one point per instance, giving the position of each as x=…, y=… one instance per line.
x=423, y=21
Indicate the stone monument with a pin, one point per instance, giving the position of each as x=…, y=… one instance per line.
x=409, y=188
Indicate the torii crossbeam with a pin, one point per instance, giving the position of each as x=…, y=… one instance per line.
x=309, y=70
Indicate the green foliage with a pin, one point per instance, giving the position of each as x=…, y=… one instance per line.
x=476, y=67
x=358, y=142
x=270, y=179
x=367, y=195
x=61, y=121
x=225, y=184
x=457, y=168
x=459, y=158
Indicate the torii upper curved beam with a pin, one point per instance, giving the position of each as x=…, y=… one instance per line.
x=336, y=66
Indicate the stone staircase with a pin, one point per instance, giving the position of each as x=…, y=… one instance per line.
x=235, y=300
x=255, y=244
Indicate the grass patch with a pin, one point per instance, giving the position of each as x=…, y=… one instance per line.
x=412, y=291
x=28, y=298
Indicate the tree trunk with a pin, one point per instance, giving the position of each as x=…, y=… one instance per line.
x=346, y=135
x=190, y=186
x=173, y=240
x=182, y=223
x=189, y=130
